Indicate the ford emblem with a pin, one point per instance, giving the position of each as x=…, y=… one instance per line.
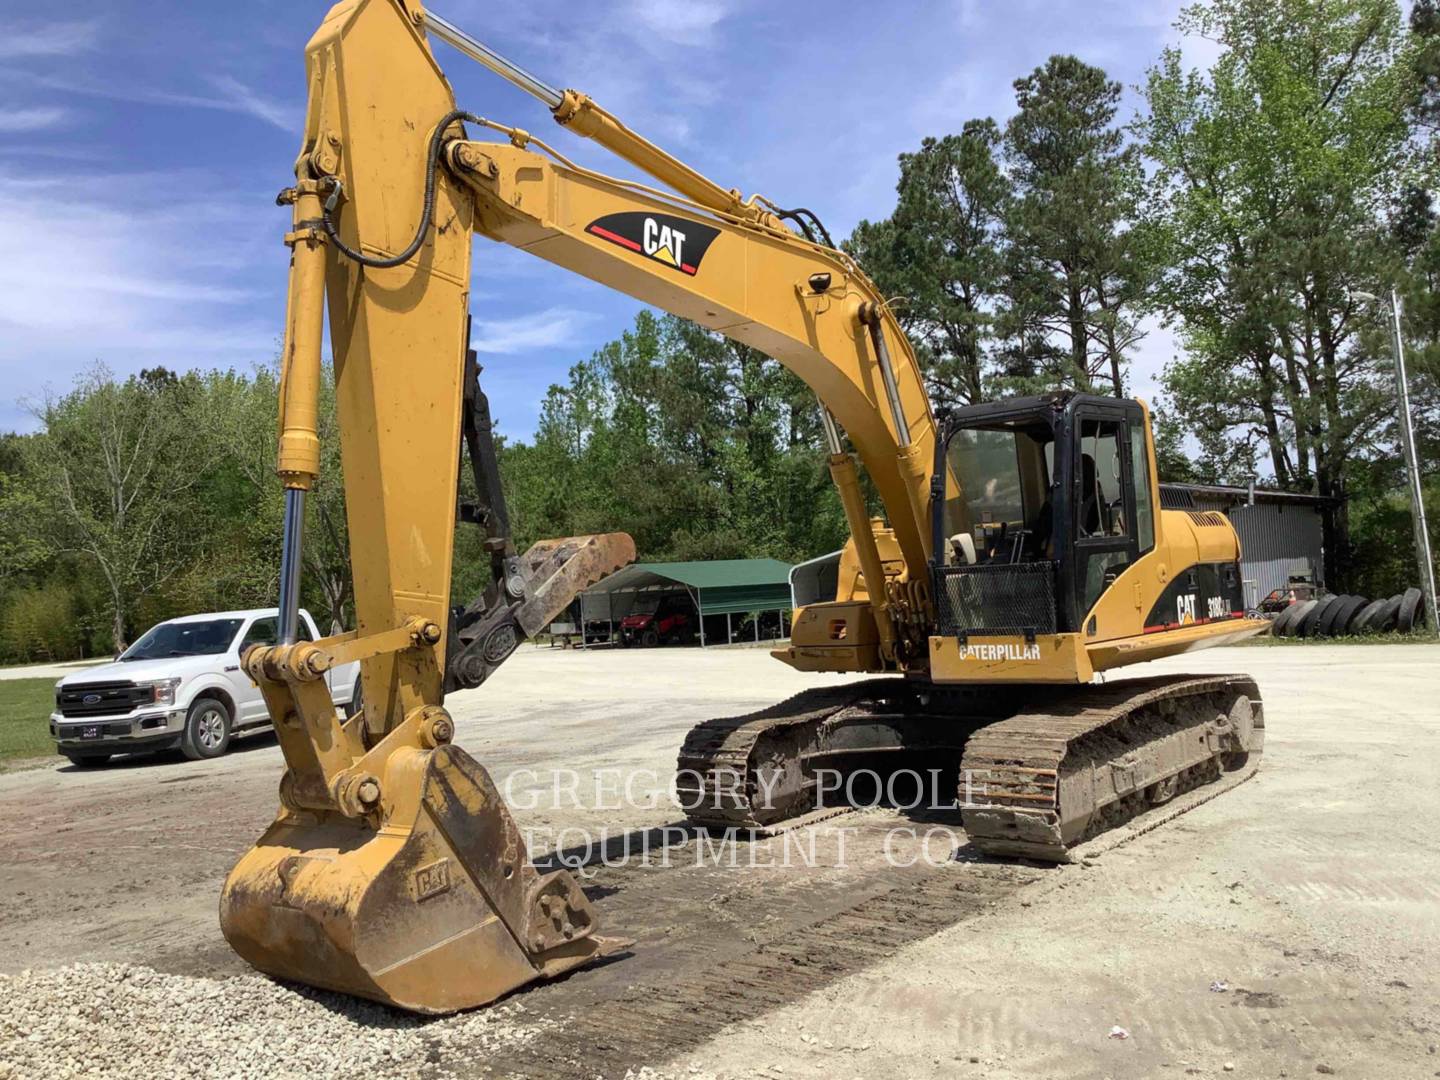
x=90, y=699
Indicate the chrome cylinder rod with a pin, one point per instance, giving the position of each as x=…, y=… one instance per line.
x=481, y=53
x=832, y=433
x=887, y=376
x=290, y=566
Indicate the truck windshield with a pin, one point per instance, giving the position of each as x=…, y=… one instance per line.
x=184, y=639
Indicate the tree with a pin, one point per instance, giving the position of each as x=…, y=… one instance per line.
x=241, y=414
x=23, y=541
x=1425, y=28
x=118, y=460
x=698, y=446
x=940, y=253
x=1270, y=176
x=1076, y=271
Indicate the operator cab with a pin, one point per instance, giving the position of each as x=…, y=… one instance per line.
x=1055, y=500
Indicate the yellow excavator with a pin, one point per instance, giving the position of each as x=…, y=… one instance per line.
x=1022, y=550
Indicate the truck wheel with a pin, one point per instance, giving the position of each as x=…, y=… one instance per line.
x=1306, y=626
x=207, y=729
x=649, y=639
x=1292, y=628
x=1284, y=622
x=1385, y=621
x=1340, y=614
x=88, y=761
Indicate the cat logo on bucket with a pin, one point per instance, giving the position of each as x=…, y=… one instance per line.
x=678, y=243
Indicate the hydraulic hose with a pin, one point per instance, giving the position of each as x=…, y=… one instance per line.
x=327, y=219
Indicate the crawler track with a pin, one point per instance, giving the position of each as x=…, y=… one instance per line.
x=1044, y=767
x=769, y=767
x=1052, y=777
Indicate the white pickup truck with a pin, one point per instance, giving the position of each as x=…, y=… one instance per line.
x=181, y=685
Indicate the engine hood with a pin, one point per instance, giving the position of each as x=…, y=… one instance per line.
x=146, y=670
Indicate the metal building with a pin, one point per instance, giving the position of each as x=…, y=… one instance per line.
x=719, y=589
x=1281, y=532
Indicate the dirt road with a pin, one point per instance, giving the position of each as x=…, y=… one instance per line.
x=1311, y=893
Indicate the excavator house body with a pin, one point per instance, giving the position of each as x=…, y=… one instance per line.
x=1052, y=558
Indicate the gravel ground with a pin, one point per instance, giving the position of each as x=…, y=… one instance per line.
x=62, y=1024
x=1312, y=891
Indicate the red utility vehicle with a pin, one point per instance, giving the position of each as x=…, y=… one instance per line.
x=670, y=619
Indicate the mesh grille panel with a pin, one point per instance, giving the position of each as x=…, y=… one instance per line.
x=1176, y=498
x=1007, y=599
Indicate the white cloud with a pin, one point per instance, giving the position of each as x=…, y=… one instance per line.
x=55, y=39
x=231, y=96
x=240, y=98
x=546, y=329
x=120, y=272
x=681, y=22
x=13, y=121
x=967, y=14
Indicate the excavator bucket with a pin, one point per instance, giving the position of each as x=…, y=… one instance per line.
x=394, y=870
x=436, y=911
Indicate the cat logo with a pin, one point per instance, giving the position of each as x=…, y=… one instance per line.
x=674, y=241
x=663, y=242
x=1186, y=608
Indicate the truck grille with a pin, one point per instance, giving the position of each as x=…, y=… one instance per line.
x=996, y=599
x=102, y=699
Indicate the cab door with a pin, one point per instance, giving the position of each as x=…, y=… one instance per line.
x=1102, y=502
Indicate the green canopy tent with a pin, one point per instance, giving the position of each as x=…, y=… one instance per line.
x=719, y=587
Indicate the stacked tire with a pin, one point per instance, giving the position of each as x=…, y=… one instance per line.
x=1346, y=615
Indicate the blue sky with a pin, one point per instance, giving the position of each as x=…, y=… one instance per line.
x=142, y=144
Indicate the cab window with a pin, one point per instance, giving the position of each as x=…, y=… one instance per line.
x=1003, y=508
x=1100, y=495
x=261, y=632
x=1144, y=506
x=265, y=632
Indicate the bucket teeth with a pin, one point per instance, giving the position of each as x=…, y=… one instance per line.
x=547, y=579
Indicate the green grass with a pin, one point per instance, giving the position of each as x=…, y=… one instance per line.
x=25, y=707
